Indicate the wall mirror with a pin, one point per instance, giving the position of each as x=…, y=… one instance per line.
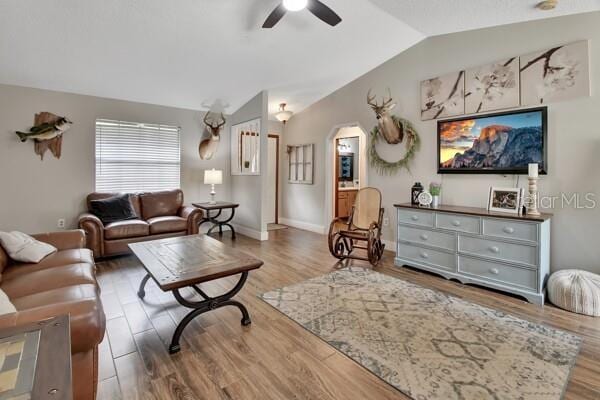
x=245, y=148
x=301, y=161
x=346, y=167
x=348, y=162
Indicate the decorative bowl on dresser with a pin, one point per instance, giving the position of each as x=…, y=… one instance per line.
x=473, y=245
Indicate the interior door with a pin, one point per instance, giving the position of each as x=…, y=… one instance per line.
x=273, y=179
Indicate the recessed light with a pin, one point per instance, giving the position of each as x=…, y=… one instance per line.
x=295, y=5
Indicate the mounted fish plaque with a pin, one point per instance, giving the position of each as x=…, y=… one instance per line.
x=46, y=133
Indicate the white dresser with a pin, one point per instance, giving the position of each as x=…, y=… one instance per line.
x=502, y=251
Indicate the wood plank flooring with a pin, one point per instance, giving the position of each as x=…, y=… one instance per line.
x=274, y=358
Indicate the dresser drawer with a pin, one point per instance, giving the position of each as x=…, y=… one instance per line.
x=423, y=218
x=496, y=272
x=510, y=252
x=423, y=236
x=510, y=229
x=460, y=223
x=439, y=259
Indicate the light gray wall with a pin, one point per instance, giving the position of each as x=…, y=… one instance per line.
x=248, y=190
x=574, y=137
x=34, y=194
x=275, y=128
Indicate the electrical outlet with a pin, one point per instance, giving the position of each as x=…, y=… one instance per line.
x=386, y=221
x=61, y=223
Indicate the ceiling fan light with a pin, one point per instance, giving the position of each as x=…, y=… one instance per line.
x=295, y=5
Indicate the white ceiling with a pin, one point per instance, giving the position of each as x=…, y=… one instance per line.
x=438, y=17
x=189, y=53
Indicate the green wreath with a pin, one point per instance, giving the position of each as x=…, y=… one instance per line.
x=413, y=142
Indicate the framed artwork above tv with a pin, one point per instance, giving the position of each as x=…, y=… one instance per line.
x=499, y=143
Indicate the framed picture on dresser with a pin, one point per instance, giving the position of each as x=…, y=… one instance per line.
x=507, y=200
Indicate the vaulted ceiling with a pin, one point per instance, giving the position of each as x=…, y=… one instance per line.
x=189, y=53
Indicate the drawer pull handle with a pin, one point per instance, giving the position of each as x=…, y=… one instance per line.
x=494, y=249
x=494, y=271
x=424, y=255
x=508, y=229
x=424, y=236
x=456, y=222
x=415, y=217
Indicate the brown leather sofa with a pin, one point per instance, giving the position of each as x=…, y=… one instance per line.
x=161, y=215
x=62, y=283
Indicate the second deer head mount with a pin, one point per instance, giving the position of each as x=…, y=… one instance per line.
x=211, y=136
x=392, y=132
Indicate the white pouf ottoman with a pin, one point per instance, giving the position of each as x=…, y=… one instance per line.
x=575, y=290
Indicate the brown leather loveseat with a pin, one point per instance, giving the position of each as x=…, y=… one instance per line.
x=62, y=283
x=160, y=215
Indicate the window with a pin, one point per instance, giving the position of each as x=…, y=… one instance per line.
x=134, y=157
x=301, y=163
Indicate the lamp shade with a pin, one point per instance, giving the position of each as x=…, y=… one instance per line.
x=213, y=177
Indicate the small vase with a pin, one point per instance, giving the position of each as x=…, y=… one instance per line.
x=435, y=202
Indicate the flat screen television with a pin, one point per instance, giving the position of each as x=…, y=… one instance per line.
x=501, y=143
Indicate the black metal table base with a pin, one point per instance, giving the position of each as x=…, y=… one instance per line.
x=201, y=307
x=219, y=223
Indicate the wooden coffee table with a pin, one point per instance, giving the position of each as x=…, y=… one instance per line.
x=187, y=261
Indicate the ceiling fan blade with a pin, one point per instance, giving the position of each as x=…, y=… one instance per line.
x=323, y=12
x=275, y=16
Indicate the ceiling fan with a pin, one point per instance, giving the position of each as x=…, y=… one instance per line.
x=319, y=9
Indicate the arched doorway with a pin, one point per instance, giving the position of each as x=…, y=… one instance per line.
x=343, y=131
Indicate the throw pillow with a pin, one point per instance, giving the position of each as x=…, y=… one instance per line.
x=24, y=248
x=113, y=209
x=6, y=307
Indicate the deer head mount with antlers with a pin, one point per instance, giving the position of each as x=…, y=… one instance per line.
x=211, y=136
x=392, y=132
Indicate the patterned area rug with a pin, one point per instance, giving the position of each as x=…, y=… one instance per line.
x=427, y=344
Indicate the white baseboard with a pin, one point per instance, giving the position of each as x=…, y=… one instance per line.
x=302, y=225
x=253, y=233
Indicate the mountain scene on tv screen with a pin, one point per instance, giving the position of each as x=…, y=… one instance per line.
x=495, y=142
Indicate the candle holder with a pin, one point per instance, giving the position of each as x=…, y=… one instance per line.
x=533, y=198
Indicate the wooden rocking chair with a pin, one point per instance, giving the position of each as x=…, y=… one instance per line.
x=364, y=225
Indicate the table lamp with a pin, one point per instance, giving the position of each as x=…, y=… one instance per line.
x=213, y=177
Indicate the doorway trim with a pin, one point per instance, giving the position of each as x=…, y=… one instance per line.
x=330, y=152
x=276, y=137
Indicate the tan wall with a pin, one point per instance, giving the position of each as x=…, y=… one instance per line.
x=574, y=134
x=34, y=194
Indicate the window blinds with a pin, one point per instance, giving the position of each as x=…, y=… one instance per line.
x=135, y=157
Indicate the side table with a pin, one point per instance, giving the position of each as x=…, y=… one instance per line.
x=36, y=360
x=219, y=206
